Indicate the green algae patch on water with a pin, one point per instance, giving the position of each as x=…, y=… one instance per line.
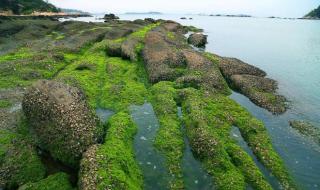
x=218, y=113
x=169, y=139
x=53, y=182
x=19, y=162
x=112, y=165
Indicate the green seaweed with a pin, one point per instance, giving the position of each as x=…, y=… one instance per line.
x=117, y=167
x=19, y=162
x=169, y=138
x=5, y=104
x=56, y=181
x=218, y=113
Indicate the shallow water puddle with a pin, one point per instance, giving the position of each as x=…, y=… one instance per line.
x=150, y=161
x=104, y=114
x=235, y=134
x=195, y=177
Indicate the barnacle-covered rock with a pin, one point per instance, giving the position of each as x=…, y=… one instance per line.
x=61, y=120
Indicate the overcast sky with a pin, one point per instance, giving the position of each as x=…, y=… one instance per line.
x=283, y=8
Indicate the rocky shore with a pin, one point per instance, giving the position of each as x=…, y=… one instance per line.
x=53, y=76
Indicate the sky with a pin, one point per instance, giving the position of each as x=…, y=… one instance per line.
x=282, y=8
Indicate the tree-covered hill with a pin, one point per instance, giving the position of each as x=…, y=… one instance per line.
x=26, y=6
x=314, y=14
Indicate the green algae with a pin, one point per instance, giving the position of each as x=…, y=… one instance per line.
x=5, y=104
x=118, y=168
x=169, y=139
x=19, y=162
x=56, y=181
x=215, y=115
x=245, y=163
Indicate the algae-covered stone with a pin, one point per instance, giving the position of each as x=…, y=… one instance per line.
x=61, y=120
x=250, y=81
x=53, y=182
x=261, y=91
x=203, y=72
x=112, y=165
x=198, y=39
x=169, y=138
x=307, y=129
x=19, y=162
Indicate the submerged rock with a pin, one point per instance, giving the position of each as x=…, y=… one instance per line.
x=61, y=120
x=198, y=39
x=306, y=129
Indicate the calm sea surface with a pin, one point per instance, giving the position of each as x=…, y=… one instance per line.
x=289, y=51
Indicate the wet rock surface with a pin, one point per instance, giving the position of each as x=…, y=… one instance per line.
x=198, y=40
x=307, y=129
x=60, y=117
x=251, y=81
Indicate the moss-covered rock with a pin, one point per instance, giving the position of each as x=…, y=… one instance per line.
x=209, y=118
x=245, y=163
x=306, y=129
x=53, y=182
x=112, y=165
x=197, y=39
x=169, y=139
x=61, y=119
x=19, y=162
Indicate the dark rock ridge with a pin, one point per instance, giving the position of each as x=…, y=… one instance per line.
x=61, y=120
x=198, y=39
x=250, y=81
x=306, y=129
x=110, y=16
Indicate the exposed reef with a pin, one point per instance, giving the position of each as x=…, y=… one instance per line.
x=250, y=81
x=306, y=129
x=67, y=70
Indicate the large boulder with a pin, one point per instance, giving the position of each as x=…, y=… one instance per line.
x=61, y=119
x=198, y=40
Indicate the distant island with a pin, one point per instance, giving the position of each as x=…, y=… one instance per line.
x=315, y=14
x=144, y=13
x=36, y=8
x=22, y=7
x=229, y=15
